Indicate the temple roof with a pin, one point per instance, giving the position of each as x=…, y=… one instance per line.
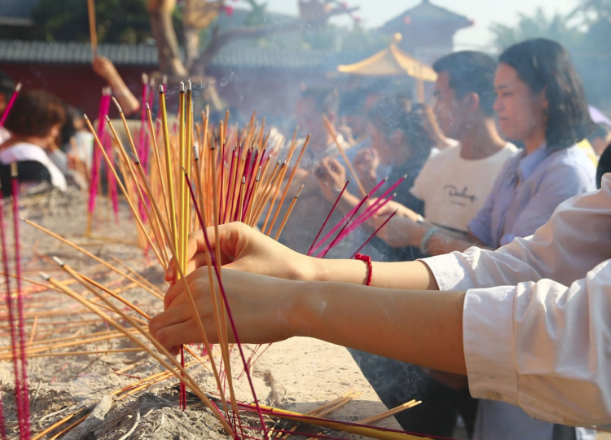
x=426, y=12
x=391, y=61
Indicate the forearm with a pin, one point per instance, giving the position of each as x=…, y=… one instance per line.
x=412, y=275
x=347, y=202
x=416, y=327
x=129, y=103
x=441, y=242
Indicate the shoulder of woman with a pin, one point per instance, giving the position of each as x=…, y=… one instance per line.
x=572, y=166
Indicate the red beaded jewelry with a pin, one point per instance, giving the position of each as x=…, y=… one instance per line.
x=367, y=260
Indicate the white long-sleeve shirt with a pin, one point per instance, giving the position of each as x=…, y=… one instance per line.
x=537, y=314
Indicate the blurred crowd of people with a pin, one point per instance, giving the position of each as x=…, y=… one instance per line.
x=505, y=142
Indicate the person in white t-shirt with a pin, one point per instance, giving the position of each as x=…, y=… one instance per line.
x=455, y=183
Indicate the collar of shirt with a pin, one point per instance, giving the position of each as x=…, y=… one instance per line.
x=527, y=163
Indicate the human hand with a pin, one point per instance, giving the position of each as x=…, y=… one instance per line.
x=331, y=176
x=264, y=309
x=103, y=67
x=402, y=211
x=366, y=163
x=398, y=232
x=243, y=248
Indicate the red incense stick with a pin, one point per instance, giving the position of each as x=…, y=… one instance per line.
x=10, y=104
x=366, y=216
x=233, y=156
x=252, y=179
x=341, y=193
x=346, y=217
x=325, y=251
x=11, y=320
x=374, y=233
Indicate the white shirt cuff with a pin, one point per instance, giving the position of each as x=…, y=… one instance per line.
x=489, y=343
x=450, y=272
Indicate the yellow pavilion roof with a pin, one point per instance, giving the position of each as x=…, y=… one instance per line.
x=391, y=61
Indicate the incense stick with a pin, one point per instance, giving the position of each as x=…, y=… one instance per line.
x=228, y=310
x=288, y=183
x=374, y=234
x=90, y=255
x=324, y=252
x=10, y=104
x=288, y=213
x=92, y=28
x=25, y=399
x=341, y=193
x=333, y=134
x=12, y=321
x=181, y=374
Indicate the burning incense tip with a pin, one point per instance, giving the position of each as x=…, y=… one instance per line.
x=145, y=78
x=18, y=87
x=161, y=88
x=147, y=106
x=14, y=170
x=299, y=192
x=107, y=118
x=59, y=262
x=85, y=117
x=117, y=105
x=405, y=176
x=243, y=180
x=182, y=87
x=44, y=276
x=195, y=153
x=189, y=86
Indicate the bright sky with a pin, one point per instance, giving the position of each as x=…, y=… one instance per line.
x=483, y=12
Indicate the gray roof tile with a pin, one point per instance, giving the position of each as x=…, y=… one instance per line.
x=234, y=55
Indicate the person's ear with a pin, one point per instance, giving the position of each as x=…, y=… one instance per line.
x=54, y=132
x=471, y=102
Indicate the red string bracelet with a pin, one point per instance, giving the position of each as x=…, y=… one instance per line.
x=367, y=260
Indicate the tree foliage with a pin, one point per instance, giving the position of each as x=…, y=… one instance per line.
x=117, y=21
x=554, y=27
x=585, y=33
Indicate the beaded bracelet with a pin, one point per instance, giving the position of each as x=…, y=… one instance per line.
x=367, y=260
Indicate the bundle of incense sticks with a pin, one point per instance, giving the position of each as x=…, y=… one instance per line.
x=96, y=162
x=183, y=190
x=353, y=220
x=15, y=308
x=199, y=175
